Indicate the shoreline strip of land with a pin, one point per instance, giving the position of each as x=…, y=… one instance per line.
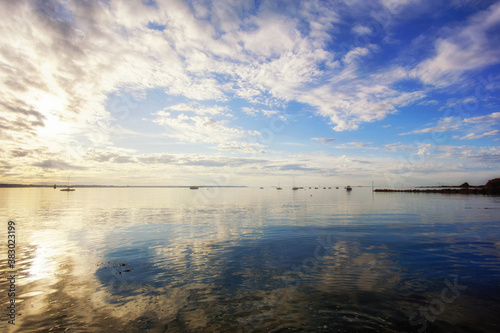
x=491, y=187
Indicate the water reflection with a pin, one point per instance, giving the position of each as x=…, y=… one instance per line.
x=250, y=260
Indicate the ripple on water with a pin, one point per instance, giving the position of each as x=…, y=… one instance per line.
x=151, y=260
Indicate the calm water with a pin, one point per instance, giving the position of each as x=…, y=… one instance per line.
x=251, y=260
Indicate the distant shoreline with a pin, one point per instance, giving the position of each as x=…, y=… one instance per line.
x=491, y=187
x=456, y=190
x=110, y=186
x=451, y=186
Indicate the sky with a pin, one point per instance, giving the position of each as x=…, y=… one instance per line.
x=255, y=93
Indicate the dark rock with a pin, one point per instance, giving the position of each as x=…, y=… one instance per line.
x=493, y=183
x=493, y=186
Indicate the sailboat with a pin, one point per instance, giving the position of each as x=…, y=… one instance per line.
x=295, y=188
x=68, y=189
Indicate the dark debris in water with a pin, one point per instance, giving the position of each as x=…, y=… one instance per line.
x=114, y=265
x=109, y=264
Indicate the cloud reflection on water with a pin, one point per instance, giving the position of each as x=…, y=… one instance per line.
x=150, y=262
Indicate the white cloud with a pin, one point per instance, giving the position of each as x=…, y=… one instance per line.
x=60, y=61
x=323, y=140
x=357, y=53
x=466, y=101
x=492, y=117
x=264, y=57
x=348, y=104
x=253, y=111
x=250, y=111
x=247, y=147
x=462, y=49
x=397, y=146
x=198, y=108
x=359, y=144
x=171, y=159
x=471, y=126
x=443, y=125
x=201, y=59
x=395, y=6
x=198, y=129
x=429, y=102
x=361, y=30
x=472, y=136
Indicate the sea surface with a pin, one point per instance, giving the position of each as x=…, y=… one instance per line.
x=250, y=260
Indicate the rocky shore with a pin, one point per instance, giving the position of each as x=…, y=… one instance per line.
x=491, y=187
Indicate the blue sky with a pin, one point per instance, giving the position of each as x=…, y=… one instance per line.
x=250, y=92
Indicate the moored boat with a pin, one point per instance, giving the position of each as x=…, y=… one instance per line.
x=67, y=189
